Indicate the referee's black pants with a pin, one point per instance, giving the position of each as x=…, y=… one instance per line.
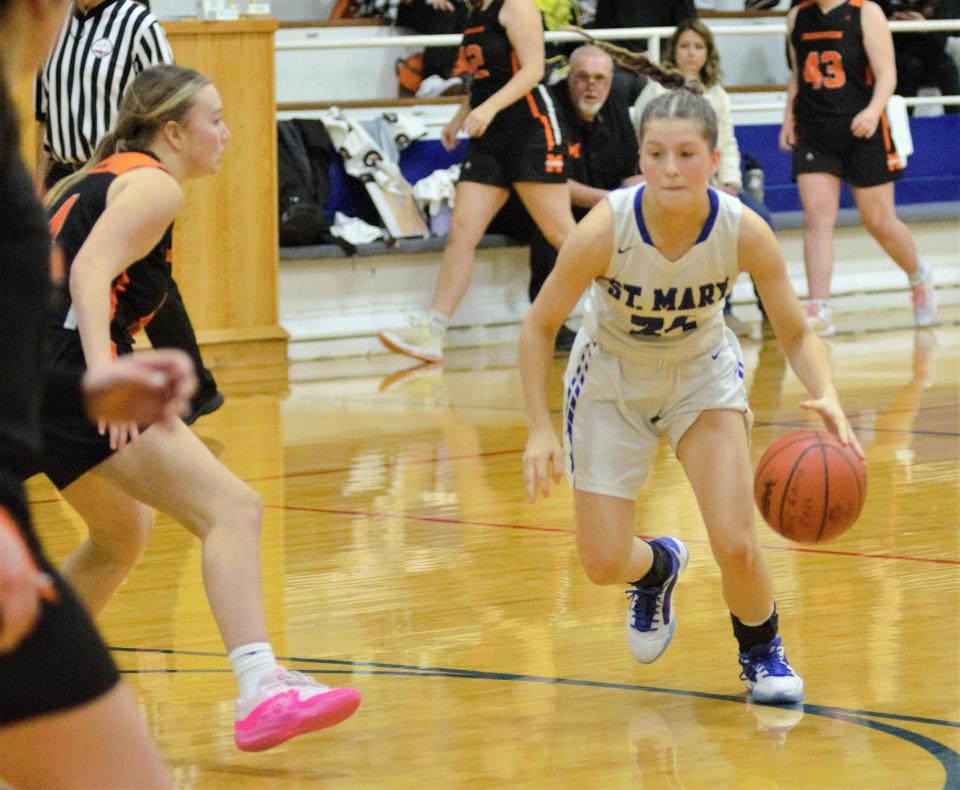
x=170, y=327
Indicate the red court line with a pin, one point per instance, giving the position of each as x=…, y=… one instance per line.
x=931, y=407
x=384, y=465
x=405, y=517
x=494, y=453
x=526, y=527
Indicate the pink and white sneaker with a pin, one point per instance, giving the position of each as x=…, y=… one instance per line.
x=289, y=704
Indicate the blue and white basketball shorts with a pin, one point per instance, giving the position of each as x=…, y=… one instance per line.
x=615, y=410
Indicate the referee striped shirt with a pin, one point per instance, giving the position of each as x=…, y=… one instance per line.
x=97, y=55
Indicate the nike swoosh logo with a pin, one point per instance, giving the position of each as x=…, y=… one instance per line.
x=621, y=250
x=714, y=356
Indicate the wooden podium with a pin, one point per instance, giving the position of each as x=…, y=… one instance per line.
x=226, y=243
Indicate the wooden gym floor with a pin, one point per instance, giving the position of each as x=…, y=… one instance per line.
x=401, y=557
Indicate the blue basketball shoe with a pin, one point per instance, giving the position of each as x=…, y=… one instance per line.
x=650, y=616
x=768, y=676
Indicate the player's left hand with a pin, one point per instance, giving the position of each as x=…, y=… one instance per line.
x=834, y=420
x=477, y=121
x=864, y=123
x=542, y=459
x=145, y=388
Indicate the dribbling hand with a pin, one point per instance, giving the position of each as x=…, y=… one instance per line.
x=834, y=420
x=542, y=459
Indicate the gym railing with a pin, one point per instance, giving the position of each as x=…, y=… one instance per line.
x=653, y=35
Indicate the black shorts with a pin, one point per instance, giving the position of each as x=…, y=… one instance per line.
x=830, y=147
x=63, y=663
x=72, y=445
x=516, y=148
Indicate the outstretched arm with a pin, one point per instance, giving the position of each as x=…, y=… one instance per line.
x=140, y=207
x=584, y=256
x=760, y=256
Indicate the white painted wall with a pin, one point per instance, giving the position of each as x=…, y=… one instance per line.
x=336, y=74
x=287, y=10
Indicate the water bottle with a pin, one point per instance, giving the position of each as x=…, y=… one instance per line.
x=755, y=181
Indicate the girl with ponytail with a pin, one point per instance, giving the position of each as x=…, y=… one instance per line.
x=113, y=222
x=653, y=359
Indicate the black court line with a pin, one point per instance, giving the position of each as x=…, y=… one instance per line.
x=947, y=757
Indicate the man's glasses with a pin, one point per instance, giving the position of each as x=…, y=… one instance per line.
x=600, y=79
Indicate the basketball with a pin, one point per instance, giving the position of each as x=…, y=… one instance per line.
x=809, y=487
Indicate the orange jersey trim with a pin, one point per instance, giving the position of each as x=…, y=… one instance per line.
x=885, y=128
x=554, y=163
x=124, y=162
x=471, y=30
x=57, y=220
x=534, y=110
x=821, y=34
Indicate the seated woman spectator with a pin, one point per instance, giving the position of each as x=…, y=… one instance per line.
x=692, y=51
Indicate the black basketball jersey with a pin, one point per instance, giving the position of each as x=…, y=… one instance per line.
x=834, y=78
x=138, y=292
x=488, y=56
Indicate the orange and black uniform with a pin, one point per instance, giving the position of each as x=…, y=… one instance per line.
x=602, y=153
x=834, y=84
x=524, y=142
x=73, y=446
x=62, y=663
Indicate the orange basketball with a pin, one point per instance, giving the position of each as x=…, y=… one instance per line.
x=809, y=487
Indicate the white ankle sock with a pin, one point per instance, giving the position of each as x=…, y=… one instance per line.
x=249, y=663
x=920, y=275
x=437, y=322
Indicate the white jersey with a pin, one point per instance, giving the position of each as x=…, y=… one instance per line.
x=648, y=307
